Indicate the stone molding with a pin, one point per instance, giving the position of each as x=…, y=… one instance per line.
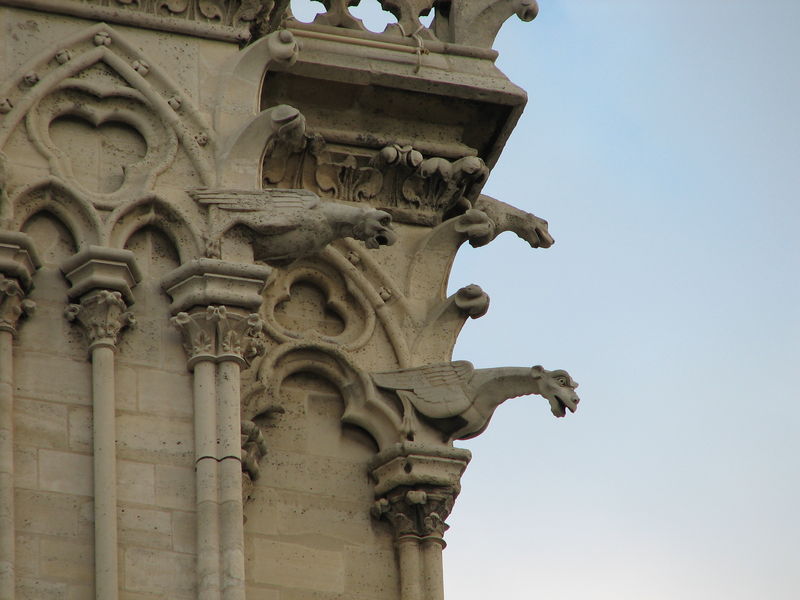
x=206, y=281
x=227, y=20
x=18, y=258
x=18, y=263
x=101, y=268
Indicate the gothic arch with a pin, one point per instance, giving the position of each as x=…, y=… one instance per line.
x=61, y=201
x=131, y=91
x=152, y=211
x=364, y=408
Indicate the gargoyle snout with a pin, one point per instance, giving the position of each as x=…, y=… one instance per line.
x=386, y=238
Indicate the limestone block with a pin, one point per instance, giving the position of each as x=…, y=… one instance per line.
x=260, y=593
x=39, y=589
x=154, y=439
x=145, y=527
x=27, y=551
x=41, y=424
x=66, y=560
x=168, y=574
x=26, y=467
x=175, y=487
x=79, y=422
x=327, y=476
x=65, y=472
x=165, y=393
x=297, y=566
x=371, y=573
x=125, y=381
x=48, y=513
x=136, y=482
x=184, y=531
x=70, y=380
x=336, y=519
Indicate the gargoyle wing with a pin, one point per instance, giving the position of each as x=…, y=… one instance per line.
x=268, y=212
x=437, y=391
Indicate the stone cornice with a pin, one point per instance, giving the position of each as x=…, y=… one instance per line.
x=227, y=20
x=18, y=258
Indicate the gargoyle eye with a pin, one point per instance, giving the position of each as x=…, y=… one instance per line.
x=562, y=381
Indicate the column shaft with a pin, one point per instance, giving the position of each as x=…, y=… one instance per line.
x=410, y=571
x=207, y=481
x=432, y=564
x=7, y=548
x=230, y=498
x=105, y=473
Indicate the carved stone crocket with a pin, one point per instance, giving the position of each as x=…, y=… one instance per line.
x=458, y=400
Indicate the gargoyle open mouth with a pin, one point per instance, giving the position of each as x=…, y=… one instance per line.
x=572, y=407
x=384, y=238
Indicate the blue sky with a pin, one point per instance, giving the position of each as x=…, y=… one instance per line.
x=662, y=143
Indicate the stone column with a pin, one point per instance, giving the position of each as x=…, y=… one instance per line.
x=18, y=262
x=213, y=303
x=101, y=280
x=416, y=487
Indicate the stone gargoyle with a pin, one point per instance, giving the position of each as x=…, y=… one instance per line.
x=458, y=400
x=505, y=217
x=284, y=225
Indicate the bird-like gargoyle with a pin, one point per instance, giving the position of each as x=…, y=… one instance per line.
x=458, y=400
x=285, y=225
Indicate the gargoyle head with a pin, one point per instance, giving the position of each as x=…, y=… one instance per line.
x=374, y=228
x=559, y=389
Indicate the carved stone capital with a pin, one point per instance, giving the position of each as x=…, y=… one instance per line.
x=18, y=263
x=103, y=314
x=101, y=268
x=417, y=511
x=12, y=304
x=218, y=333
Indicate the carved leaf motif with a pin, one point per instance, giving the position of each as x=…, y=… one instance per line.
x=210, y=9
x=347, y=181
x=248, y=11
x=174, y=6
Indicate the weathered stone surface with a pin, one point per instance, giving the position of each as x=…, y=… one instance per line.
x=252, y=241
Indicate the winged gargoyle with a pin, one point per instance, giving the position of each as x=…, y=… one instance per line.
x=458, y=400
x=288, y=224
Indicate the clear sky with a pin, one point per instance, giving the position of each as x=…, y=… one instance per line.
x=662, y=143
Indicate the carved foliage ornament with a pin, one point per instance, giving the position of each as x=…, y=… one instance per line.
x=419, y=512
x=397, y=178
x=103, y=314
x=220, y=334
x=13, y=304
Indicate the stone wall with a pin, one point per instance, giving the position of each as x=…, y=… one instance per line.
x=225, y=336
